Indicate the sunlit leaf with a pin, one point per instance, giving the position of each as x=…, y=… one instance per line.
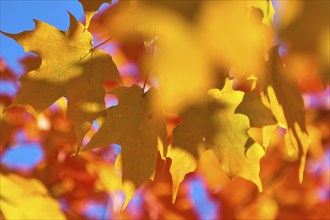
x=70, y=68
x=282, y=96
x=182, y=163
x=214, y=125
x=135, y=124
x=23, y=198
x=260, y=116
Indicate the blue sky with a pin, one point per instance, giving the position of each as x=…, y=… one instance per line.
x=17, y=16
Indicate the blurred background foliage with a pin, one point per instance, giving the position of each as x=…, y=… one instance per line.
x=40, y=178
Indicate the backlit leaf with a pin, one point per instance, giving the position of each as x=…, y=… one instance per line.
x=214, y=125
x=281, y=94
x=260, y=116
x=182, y=163
x=70, y=68
x=23, y=198
x=135, y=124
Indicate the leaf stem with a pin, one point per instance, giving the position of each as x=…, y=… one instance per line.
x=109, y=39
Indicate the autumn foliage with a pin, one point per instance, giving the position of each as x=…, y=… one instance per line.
x=172, y=110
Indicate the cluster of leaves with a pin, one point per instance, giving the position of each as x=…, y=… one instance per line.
x=212, y=96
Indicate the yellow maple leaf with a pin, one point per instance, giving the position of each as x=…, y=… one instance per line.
x=182, y=163
x=70, y=68
x=214, y=125
x=262, y=121
x=282, y=95
x=135, y=124
x=23, y=198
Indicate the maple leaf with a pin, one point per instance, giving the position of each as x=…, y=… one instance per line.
x=215, y=125
x=23, y=198
x=282, y=95
x=182, y=163
x=91, y=7
x=261, y=117
x=135, y=124
x=70, y=67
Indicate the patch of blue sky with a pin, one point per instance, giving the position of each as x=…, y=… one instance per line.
x=110, y=100
x=8, y=88
x=205, y=208
x=95, y=210
x=95, y=125
x=23, y=156
x=17, y=16
x=116, y=148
